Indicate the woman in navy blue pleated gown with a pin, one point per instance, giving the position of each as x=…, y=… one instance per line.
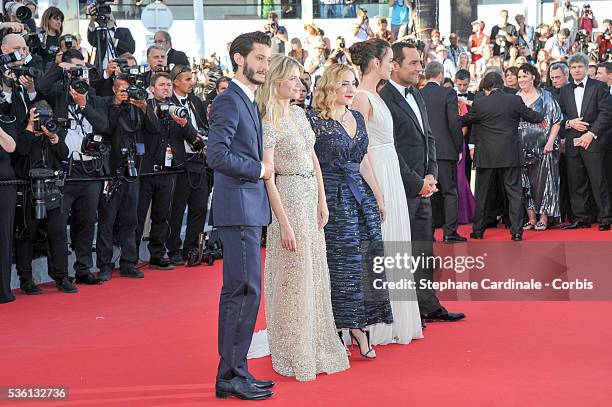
x=356, y=208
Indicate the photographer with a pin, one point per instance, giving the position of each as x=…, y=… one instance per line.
x=157, y=61
x=104, y=87
x=7, y=207
x=41, y=146
x=119, y=200
x=558, y=45
x=361, y=30
x=52, y=21
x=191, y=189
x=11, y=23
x=278, y=34
x=71, y=96
x=17, y=81
x=173, y=56
x=587, y=21
x=504, y=33
x=108, y=40
x=604, y=42
x=339, y=55
x=164, y=134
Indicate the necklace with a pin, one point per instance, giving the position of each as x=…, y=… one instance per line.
x=343, y=118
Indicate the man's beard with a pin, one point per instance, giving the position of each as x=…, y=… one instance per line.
x=250, y=75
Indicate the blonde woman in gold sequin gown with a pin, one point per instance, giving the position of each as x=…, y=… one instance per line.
x=301, y=331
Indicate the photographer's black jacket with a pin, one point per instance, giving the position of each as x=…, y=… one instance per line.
x=51, y=87
x=196, y=104
x=125, y=42
x=18, y=107
x=158, y=134
x=124, y=130
x=31, y=149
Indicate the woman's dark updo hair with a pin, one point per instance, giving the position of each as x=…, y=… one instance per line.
x=528, y=68
x=361, y=53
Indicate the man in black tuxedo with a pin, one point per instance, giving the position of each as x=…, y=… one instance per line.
x=191, y=188
x=416, y=151
x=498, y=150
x=110, y=41
x=443, y=113
x=173, y=57
x=587, y=107
x=156, y=59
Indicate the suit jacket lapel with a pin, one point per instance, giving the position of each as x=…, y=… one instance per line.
x=589, y=91
x=572, y=111
x=403, y=104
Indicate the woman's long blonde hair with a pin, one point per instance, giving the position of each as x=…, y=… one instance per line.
x=267, y=97
x=325, y=97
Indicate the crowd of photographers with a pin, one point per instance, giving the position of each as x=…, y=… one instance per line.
x=109, y=142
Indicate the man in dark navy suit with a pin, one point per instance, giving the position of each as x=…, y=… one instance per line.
x=240, y=209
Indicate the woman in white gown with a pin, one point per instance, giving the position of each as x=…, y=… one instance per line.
x=374, y=58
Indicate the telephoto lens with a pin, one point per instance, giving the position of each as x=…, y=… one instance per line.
x=38, y=199
x=180, y=111
x=23, y=13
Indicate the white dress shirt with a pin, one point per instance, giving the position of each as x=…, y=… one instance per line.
x=411, y=102
x=579, y=95
x=74, y=136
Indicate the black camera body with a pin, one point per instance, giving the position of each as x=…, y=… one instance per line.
x=93, y=145
x=45, y=192
x=23, y=13
x=136, y=93
x=69, y=41
x=20, y=71
x=45, y=118
x=35, y=40
x=102, y=12
x=78, y=78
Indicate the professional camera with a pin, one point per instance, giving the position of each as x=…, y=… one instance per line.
x=130, y=164
x=94, y=146
x=166, y=109
x=35, y=40
x=45, y=118
x=9, y=58
x=136, y=93
x=20, y=71
x=501, y=41
x=274, y=26
x=68, y=41
x=134, y=75
x=45, y=192
x=201, y=142
x=79, y=77
x=23, y=13
x=102, y=12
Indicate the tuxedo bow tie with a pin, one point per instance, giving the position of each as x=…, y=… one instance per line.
x=183, y=101
x=578, y=85
x=409, y=90
x=462, y=95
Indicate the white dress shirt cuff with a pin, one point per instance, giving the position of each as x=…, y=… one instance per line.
x=263, y=171
x=471, y=146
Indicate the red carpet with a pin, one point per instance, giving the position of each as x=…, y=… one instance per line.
x=152, y=342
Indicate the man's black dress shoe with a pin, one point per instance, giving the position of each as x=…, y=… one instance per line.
x=88, y=279
x=160, y=264
x=65, y=285
x=29, y=288
x=477, y=235
x=176, y=258
x=440, y=316
x=240, y=388
x=578, y=225
x=423, y=324
x=132, y=272
x=456, y=238
x=604, y=226
x=105, y=275
x=517, y=237
x=262, y=384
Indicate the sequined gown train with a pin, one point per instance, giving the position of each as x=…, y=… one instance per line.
x=301, y=331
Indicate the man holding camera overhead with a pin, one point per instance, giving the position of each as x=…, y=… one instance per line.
x=278, y=34
x=41, y=149
x=66, y=87
x=191, y=186
x=108, y=40
x=166, y=128
x=119, y=200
